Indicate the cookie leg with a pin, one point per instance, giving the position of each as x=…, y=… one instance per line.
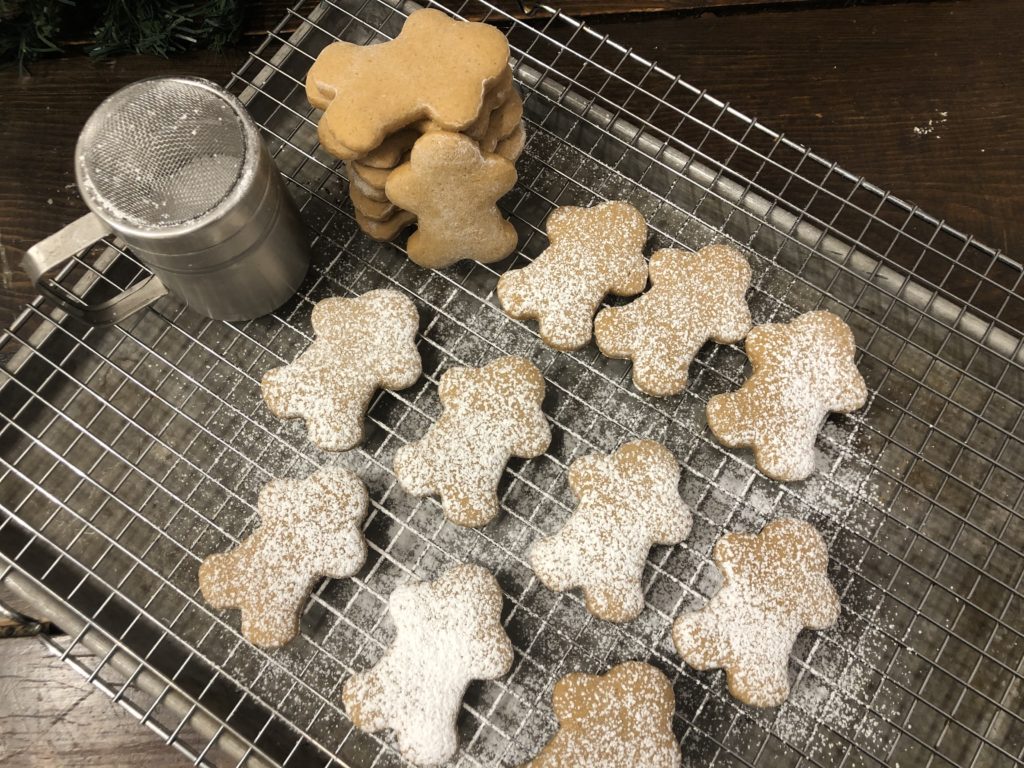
x=337, y=425
x=766, y=685
x=469, y=504
x=696, y=641
x=733, y=418
x=614, y=601
x=569, y=329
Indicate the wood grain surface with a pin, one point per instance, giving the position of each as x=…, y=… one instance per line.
x=51, y=716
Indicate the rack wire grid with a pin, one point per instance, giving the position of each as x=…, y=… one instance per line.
x=132, y=452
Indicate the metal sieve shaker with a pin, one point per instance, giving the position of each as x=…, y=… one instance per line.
x=176, y=168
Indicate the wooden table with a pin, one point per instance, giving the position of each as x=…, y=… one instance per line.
x=924, y=99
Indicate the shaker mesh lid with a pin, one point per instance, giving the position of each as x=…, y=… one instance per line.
x=160, y=153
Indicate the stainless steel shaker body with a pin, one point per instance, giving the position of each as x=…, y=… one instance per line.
x=177, y=169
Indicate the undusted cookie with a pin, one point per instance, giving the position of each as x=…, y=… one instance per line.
x=358, y=186
x=774, y=583
x=362, y=345
x=392, y=152
x=490, y=414
x=448, y=632
x=621, y=719
x=593, y=252
x=513, y=145
x=370, y=208
x=628, y=502
x=308, y=529
x=802, y=370
x=693, y=297
x=437, y=68
x=503, y=121
x=384, y=229
x=453, y=189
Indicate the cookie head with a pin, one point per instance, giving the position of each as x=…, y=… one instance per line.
x=437, y=68
x=620, y=718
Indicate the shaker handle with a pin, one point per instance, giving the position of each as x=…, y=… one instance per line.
x=59, y=248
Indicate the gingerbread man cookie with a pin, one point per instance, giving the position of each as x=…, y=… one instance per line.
x=693, y=297
x=453, y=188
x=802, y=370
x=490, y=414
x=448, y=632
x=593, y=252
x=309, y=529
x=774, y=583
x=362, y=345
x=628, y=501
x=618, y=719
x=437, y=68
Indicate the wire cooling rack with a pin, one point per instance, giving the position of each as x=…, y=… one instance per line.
x=128, y=454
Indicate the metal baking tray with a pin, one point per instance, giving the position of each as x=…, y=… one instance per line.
x=127, y=454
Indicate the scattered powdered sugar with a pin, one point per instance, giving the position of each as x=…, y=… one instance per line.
x=310, y=528
x=448, y=632
x=490, y=414
x=628, y=502
x=802, y=370
x=620, y=718
x=362, y=344
x=593, y=252
x=694, y=297
x=774, y=584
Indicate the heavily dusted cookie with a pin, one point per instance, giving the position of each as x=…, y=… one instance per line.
x=437, y=68
x=448, y=632
x=693, y=297
x=620, y=719
x=384, y=229
x=774, y=583
x=802, y=370
x=361, y=345
x=490, y=414
x=628, y=501
x=308, y=529
x=453, y=188
x=592, y=252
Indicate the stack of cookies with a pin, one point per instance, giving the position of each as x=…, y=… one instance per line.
x=438, y=76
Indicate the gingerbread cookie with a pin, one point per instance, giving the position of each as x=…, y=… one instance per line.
x=802, y=370
x=490, y=414
x=392, y=152
x=593, y=252
x=309, y=529
x=774, y=583
x=453, y=189
x=512, y=146
x=384, y=229
x=693, y=297
x=437, y=68
x=369, y=207
x=362, y=345
x=620, y=719
x=628, y=501
x=448, y=632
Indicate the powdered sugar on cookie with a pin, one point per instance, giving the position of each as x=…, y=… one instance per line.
x=774, y=584
x=628, y=502
x=593, y=252
x=621, y=718
x=309, y=529
x=361, y=345
x=449, y=632
x=693, y=297
x=490, y=414
x=802, y=370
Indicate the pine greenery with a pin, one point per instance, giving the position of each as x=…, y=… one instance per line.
x=31, y=28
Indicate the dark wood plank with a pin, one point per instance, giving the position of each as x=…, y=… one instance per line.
x=50, y=716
